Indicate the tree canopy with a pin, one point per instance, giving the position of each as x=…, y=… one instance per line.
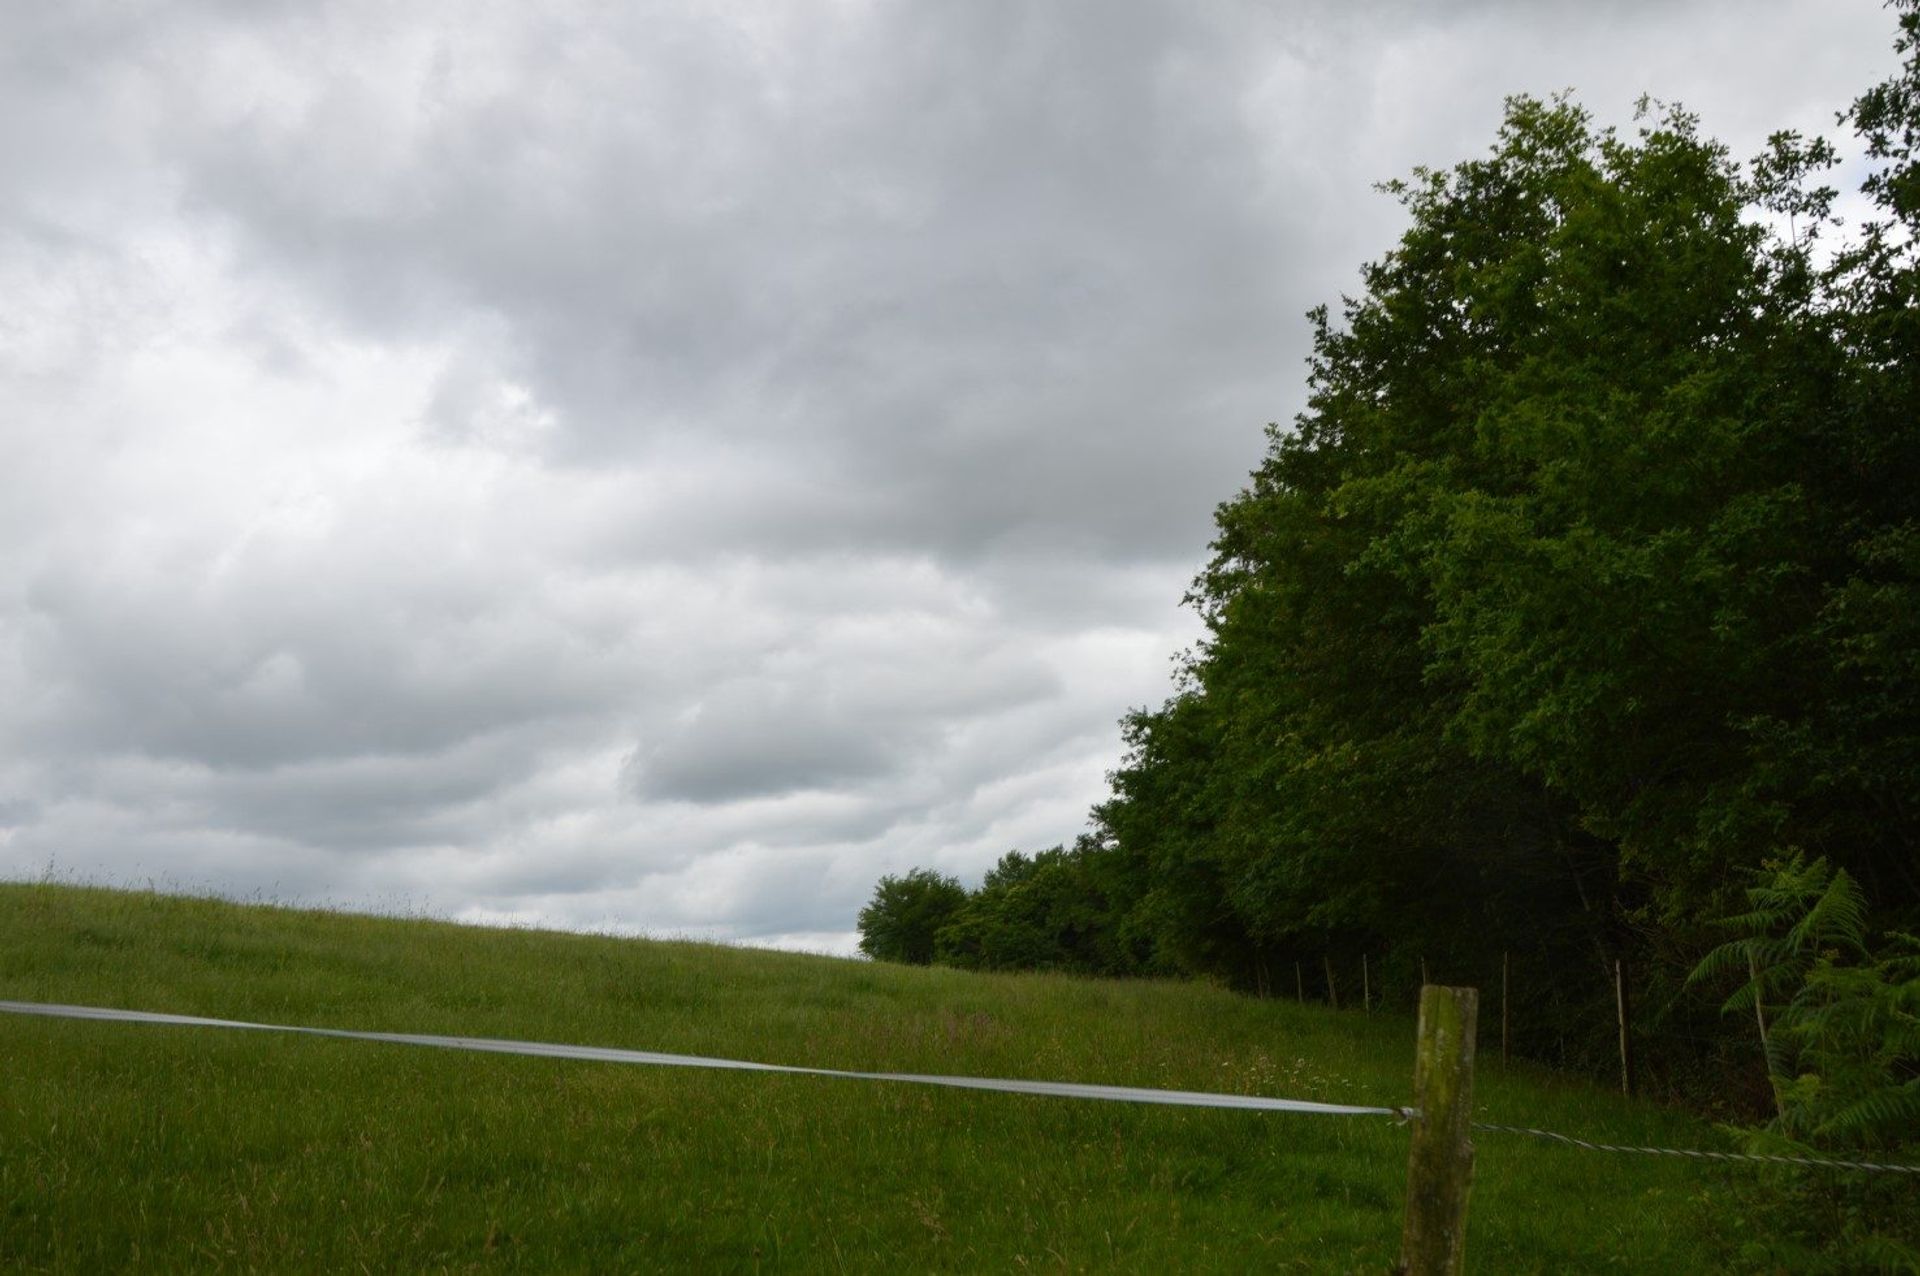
x=1585, y=589
x=905, y=914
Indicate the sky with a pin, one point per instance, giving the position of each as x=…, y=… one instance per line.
x=657, y=467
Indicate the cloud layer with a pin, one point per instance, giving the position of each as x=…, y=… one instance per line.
x=660, y=467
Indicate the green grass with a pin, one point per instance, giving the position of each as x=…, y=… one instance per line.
x=182, y=1148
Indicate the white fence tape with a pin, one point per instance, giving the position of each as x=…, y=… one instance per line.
x=1051, y=1089
x=609, y=1054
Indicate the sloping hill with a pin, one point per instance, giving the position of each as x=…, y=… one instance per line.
x=172, y=1148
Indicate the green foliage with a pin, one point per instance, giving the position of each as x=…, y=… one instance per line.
x=1475, y=622
x=1049, y=911
x=1857, y=1028
x=1845, y=1041
x=1589, y=575
x=1887, y=116
x=905, y=914
x=1843, y=1054
x=1588, y=579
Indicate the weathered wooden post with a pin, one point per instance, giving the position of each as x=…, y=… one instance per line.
x=1333, y=993
x=1766, y=1048
x=1623, y=1006
x=1433, y=1240
x=1299, y=985
x=1506, y=1020
x=1366, y=986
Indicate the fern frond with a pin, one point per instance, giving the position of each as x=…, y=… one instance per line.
x=1760, y=919
x=1838, y=917
x=1882, y=1111
x=1734, y=955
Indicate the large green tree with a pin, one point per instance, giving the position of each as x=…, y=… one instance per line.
x=1523, y=634
x=1586, y=586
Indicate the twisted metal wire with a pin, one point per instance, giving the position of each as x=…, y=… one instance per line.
x=1816, y=1162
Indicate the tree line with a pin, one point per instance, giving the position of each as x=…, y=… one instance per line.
x=1574, y=622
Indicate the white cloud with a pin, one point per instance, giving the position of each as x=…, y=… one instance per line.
x=657, y=469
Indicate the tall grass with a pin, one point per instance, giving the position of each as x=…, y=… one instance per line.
x=178, y=1148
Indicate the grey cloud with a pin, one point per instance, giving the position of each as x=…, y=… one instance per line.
x=859, y=700
x=269, y=667
x=371, y=803
x=662, y=467
x=875, y=255
x=744, y=745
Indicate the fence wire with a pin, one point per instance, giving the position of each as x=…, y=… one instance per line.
x=1697, y=1154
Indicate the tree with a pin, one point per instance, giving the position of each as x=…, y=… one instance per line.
x=900, y=922
x=1047, y=911
x=1587, y=583
x=1515, y=636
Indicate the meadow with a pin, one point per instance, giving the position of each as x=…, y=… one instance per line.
x=161, y=1148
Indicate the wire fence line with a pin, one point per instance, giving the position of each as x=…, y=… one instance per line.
x=1049, y=1089
x=1814, y=1161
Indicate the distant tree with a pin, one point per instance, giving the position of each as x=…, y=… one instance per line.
x=900, y=922
x=1048, y=911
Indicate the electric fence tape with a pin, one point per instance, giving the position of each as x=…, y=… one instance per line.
x=1050, y=1089
x=608, y=1054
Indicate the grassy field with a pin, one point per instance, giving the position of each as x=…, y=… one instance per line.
x=179, y=1148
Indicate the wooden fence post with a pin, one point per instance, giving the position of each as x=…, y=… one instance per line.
x=1766, y=1048
x=1623, y=1005
x=1433, y=1240
x=1333, y=994
x=1299, y=985
x=1366, y=986
x=1506, y=1020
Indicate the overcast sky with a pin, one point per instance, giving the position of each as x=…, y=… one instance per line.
x=660, y=466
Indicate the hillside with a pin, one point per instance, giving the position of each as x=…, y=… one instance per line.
x=176, y=1147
